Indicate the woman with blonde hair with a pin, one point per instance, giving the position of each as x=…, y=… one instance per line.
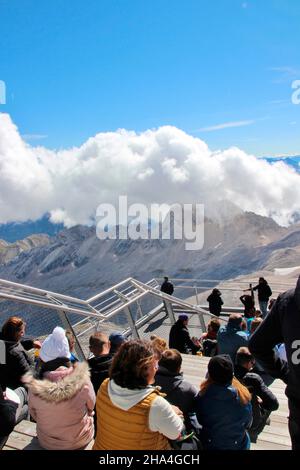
x=223, y=408
x=159, y=344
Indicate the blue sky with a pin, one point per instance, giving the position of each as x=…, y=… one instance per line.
x=221, y=70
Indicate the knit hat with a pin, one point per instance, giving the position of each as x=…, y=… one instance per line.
x=183, y=317
x=116, y=338
x=55, y=345
x=220, y=369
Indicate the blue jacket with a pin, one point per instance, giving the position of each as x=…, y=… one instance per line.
x=230, y=339
x=224, y=419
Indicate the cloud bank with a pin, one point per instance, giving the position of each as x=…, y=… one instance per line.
x=164, y=165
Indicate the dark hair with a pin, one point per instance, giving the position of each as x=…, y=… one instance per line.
x=243, y=356
x=52, y=365
x=129, y=368
x=235, y=319
x=97, y=341
x=171, y=359
x=12, y=328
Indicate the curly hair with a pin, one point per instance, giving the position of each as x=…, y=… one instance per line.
x=129, y=368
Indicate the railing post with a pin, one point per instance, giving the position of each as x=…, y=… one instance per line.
x=202, y=323
x=67, y=326
x=169, y=310
x=139, y=309
x=129, y=315
x=196, y=294
x=135, y=332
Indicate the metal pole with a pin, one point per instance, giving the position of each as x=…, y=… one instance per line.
x=202, y=323
x=67, y=326
x=196, y=292
x=134, y=329
x=169, y=310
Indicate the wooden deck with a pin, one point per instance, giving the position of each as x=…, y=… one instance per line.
x=274, y=437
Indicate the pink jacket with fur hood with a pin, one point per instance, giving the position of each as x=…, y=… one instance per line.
x=62, y=405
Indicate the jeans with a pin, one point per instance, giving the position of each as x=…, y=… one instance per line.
x=263, y=305
x=22, y=411
x=294, y=423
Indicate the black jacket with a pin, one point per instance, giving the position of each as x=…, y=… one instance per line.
x=8, y=410
x=167, y=287
x=180, y=339
x=17, y=363
x=178, y=392
x=249, y=305
x=264, y=291
x=215, y=304
x=282, y=325
x=257, y=387
x=99, y=367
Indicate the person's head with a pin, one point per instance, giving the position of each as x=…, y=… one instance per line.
x=99, y=344
x=257, y=313
x=235, y=320
x=13, y=329
x=71, y=340
x=135, y=364
x=213, y=325
x=244, y=358
x=55, y=346
x=220, y=369
x=116, y=339
x=255, y=324
x=216, y=292
x=166, y=278
x=184, y=319
x=158, y=343
x=262, y=280
x=220, y=373
x=171, y=360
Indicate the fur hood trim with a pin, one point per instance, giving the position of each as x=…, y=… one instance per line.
x=64, y=389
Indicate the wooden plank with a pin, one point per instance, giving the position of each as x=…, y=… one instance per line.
x=18, y=441
x=26, y=427
x=275, y=436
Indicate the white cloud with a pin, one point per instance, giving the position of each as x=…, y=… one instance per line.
x=227, y=125
x=164, y=165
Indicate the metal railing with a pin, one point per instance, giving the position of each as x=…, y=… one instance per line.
x=127, y=306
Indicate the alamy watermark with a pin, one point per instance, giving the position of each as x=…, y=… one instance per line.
x=152, y=222
x=2, y=92
x=296, y=94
